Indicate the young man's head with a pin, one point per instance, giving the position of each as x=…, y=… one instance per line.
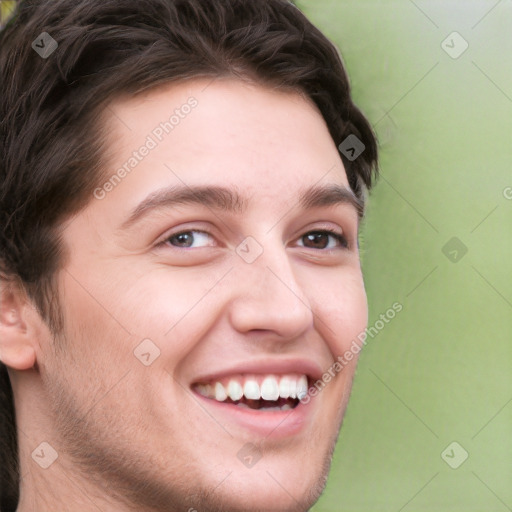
x=178, y=255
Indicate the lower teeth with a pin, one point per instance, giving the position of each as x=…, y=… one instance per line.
x=285, y=407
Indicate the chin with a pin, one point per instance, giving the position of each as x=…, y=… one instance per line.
x=284, y=488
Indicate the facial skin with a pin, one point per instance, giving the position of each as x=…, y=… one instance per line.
x=136, y=437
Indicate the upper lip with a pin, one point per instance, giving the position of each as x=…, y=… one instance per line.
x=266, y=367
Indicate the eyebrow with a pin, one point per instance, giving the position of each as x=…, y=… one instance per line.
x=229, y=200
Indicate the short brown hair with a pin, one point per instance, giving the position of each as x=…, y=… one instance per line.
x=51, y=137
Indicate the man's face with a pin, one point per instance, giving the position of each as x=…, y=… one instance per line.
x=217, y=313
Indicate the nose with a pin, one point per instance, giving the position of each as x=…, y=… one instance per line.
x=268, y=297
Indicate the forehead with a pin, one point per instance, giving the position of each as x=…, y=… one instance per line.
x=266, y=143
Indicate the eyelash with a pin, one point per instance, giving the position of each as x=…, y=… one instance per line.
x=338, y=236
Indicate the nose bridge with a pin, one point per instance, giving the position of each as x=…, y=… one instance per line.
x=270, y=297
x=273, y=271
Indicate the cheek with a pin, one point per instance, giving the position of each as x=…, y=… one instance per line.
x=105, y=319
x=174, y=309
x=343, y=310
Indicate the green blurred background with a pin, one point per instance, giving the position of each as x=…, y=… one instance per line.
x=439, y=372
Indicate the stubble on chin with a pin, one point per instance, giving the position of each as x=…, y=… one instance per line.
x=129, y=477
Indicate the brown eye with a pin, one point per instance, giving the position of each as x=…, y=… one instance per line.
x=323, y=240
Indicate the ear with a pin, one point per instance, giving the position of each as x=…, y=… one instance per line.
x=18, y=338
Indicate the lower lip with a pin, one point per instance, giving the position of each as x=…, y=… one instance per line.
x=271, y=424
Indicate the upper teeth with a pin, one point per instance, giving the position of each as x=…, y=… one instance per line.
x=268, y=387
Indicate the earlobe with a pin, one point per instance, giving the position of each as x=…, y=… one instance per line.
x=17, y=342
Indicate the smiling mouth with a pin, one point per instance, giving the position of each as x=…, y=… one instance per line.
x=257, y=392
